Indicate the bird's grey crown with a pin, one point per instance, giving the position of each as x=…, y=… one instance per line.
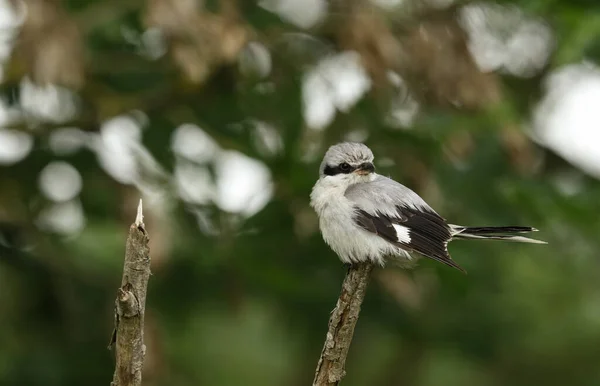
x=352, y=153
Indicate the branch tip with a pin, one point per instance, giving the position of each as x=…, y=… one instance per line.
x=139, y=219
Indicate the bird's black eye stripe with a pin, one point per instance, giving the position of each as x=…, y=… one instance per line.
x=341, y=168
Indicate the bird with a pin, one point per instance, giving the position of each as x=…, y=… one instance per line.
x=367, y=217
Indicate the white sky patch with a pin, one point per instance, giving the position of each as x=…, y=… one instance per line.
x=244, y=184
x=319, y=109
x=402, y=233
x=60, y=181
x=501, y=37
x=14, y=146
x=114, y=148
x=123, y=156
x=335, y=83
x=11, y=17
x=194, y=183
x=304, y=14
x=191, y=142
x=48, y=102
x=66, y=218
x=567, y=120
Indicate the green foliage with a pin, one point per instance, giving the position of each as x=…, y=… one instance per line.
x=250, y=305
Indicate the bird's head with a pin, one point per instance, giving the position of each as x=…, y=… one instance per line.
x=348, y=163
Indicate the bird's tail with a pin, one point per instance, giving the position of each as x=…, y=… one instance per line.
x=494, y=233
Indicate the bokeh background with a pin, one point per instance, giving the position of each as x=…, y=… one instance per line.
x=217, y=114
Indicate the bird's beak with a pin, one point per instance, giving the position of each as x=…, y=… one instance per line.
x=365, y=168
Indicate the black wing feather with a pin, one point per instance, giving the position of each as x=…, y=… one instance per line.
x=496, y=230
x=381, y=225
x=429, y=233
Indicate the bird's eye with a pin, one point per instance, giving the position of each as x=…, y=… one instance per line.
x=345, y=167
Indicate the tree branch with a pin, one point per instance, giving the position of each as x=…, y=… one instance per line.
x=330, y=369
x=130, y=305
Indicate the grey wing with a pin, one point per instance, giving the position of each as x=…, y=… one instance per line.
x=397, y=214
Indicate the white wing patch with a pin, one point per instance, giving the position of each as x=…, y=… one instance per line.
x=402, y=233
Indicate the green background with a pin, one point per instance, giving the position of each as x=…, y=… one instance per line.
x=250, y=305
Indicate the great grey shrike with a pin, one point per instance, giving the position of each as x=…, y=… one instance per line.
x=364, y=216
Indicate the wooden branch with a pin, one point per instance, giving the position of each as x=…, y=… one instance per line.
x=130, y=305
x=330, y=369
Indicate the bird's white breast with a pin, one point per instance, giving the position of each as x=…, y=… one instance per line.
x=340, y=231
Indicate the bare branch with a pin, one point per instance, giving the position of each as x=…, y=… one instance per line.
x=130, y=305
x=330, y=369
